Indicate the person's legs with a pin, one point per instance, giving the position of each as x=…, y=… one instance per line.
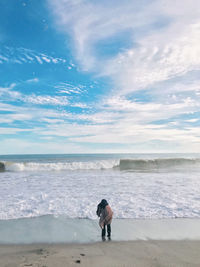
x=103, y=233
x=109, y=230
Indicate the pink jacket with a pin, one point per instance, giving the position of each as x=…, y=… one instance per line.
x=106, y=215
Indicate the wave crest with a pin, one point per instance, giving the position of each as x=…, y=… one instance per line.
x=2, y=167
x=122, y=164
x=60, y=166
x=154, y=164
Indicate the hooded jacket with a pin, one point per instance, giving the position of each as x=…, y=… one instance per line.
x=105, y=213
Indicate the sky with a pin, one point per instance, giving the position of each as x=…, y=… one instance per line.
x=88, y=76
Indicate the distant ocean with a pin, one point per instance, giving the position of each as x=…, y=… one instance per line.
x=135, y=185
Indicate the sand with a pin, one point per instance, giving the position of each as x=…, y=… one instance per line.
x=52, y=242
x=109, y=253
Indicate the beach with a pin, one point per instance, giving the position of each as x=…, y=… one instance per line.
x=99, y=133
x=48, y=210
x=48, y=241
x=132, y=253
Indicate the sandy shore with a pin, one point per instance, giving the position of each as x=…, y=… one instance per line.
x=52, y=242
x=109, y=253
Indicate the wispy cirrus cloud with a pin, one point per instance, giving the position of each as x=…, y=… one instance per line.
x=12, y=130
x=22, y=55
x=106, y=127
x=34, y=80
x=148, y=50
x=138, y=137
x=154, y=61
x=67, y=88
x=163, y=39
x=116, y=115
x=45, y=100
x=10, y=94
x=90, y=23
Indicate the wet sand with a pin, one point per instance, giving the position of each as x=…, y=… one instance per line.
x=51, y=230
x=52, y=242
x=102, y=254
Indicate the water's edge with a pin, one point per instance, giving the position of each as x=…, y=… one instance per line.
x=50, y=229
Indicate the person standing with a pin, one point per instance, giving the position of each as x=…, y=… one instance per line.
x=105, y=213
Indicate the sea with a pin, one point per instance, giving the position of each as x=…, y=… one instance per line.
x=137, y=186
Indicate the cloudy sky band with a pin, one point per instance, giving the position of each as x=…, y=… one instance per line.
x=118, y=73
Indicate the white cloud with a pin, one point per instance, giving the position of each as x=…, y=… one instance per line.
x=34, y=80
x=118, y=120
x=159, y=59
x=80, y=105
x=7, y=93
x=46, y=100
x=109, y=127
x=67, y=88
x=39, y=59
x=19, y=146
x=23, y=55
x=91, y=22
x=157, y=54
x=50, y=120
x=8, y=88
x=154, y=61
x=162, y=56
x=3, y=58
x=192, y=120
x=46, y=59
x=147, y=112
x=9, y=130
x=128, y=134
x=28, y=116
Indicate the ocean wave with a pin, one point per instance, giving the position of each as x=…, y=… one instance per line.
x=122, y=164
x=2, y=167
x=156, y=164
x=60, y=166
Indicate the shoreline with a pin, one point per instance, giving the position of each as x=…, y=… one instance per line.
x=48, y=242
x=52, y=230
x=118, y=253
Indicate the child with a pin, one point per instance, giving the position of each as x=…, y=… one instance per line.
x=105, y=213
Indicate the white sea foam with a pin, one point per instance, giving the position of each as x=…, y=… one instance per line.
x=122, y=164
x=76, y=194
x=59, y=166
x=74, y=187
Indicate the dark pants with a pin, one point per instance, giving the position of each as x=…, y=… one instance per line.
x=104, y=230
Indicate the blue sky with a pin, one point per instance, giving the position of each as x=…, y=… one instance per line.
x=88, y=76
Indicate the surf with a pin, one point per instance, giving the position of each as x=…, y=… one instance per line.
x=58, y=166
x=158, y=164
x=128, y=164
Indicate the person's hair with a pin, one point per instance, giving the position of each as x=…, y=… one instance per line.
x=104, y=203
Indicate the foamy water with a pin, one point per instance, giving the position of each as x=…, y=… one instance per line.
x=60, y=166
x=136, y=186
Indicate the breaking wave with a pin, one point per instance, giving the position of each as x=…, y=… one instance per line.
x=122, y=164
x=157, y=164
x=60, y=166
